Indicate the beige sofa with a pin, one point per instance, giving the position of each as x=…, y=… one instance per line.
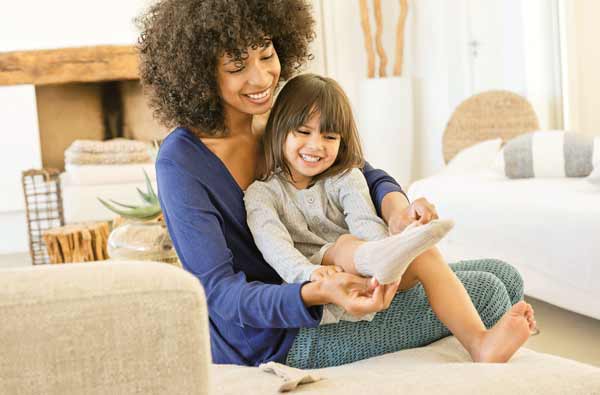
x=142, y=328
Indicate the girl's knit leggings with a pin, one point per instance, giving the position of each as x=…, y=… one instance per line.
x=493, y=285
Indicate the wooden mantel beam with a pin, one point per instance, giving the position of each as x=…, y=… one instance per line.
x=66, y=65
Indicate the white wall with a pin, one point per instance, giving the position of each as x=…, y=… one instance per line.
x=35, y=24
x=20, y=150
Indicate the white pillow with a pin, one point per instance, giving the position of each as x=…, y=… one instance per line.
x=474, y=159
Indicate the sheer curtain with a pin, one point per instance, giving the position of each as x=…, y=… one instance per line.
x=580, y=57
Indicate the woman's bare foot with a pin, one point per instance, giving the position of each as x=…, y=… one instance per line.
x=499, y=343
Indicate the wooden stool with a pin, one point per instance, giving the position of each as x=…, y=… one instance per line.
x=81, y=242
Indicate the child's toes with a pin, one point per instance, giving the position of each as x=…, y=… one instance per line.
x=530, y=318
x=529, y=315
x=532, y=325
x=519, y=308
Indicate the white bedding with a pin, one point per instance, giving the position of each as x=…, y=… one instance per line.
x=549, y=229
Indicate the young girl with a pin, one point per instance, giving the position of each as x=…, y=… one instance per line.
x=312, y=215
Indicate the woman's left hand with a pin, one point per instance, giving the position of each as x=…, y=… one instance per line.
x=421, y=211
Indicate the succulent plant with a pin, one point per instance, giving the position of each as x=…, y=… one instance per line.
x=153, y=150
x=149, y=210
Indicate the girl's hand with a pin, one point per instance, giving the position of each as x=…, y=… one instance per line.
x=358, y=295
x=421, y=211
x=323, y=272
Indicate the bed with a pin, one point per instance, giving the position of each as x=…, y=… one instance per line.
x=548, y=228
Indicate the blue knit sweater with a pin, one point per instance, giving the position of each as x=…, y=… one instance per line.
x=254, y=318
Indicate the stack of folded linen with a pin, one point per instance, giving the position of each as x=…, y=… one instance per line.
x=110, y=169
x=111, y=152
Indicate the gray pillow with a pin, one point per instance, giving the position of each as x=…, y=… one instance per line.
x=547, y=154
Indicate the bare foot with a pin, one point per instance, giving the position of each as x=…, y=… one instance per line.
x=507, y=336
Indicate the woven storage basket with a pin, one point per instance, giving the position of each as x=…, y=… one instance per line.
x=486, y=116
x=43, y=208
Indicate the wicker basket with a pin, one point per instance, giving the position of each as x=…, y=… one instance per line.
x=486, y=116
x=43, y=207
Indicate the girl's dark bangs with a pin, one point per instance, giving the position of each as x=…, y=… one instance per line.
x=307, y=105
x=317, y=97
x=332, y=115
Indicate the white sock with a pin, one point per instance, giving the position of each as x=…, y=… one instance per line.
x=292, y=377
x=388, y=259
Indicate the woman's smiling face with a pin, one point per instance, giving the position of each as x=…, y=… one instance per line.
x=247, y=86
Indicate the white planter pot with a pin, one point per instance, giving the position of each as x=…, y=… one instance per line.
x=385, y=124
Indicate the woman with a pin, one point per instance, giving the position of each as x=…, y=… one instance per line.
x=211, y=68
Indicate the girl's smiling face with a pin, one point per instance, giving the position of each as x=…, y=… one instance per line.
x=308, y=152
x=247, y=86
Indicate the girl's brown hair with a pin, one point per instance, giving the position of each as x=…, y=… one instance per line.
x=301, y=98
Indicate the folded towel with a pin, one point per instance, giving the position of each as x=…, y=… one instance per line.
x=110, y=158
x=108, y=174
x=119, y=145
x=292, y=377
x=80, y=202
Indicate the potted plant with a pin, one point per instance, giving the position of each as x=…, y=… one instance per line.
x=139, y=233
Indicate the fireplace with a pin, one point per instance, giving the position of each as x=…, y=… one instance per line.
x=82, y=93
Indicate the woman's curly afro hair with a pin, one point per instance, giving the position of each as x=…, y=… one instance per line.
x=181, y=41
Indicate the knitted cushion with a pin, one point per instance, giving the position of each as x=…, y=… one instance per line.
x=547, y=154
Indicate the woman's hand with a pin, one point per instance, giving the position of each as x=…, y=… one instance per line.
x=323, y=272
x=421, y=211
x=358, y=295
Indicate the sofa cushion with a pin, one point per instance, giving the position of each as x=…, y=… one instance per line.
x=443, y=367
x=103, y=328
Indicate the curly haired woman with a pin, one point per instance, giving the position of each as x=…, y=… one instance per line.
x=211, y=68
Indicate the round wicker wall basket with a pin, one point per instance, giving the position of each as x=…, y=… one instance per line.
x=486, y=116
